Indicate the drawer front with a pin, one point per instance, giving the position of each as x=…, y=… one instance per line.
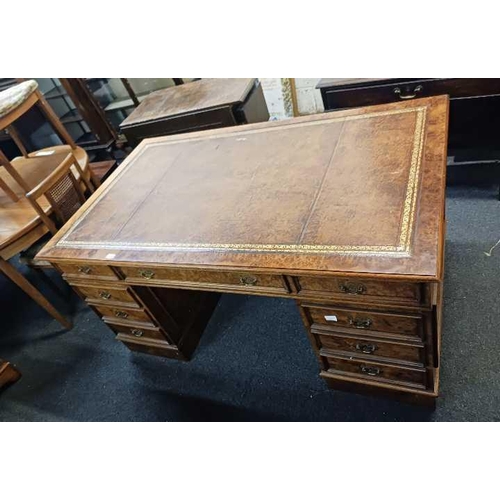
x=106, y=294
x=414, y=377
x=122, y=314
x=368, y=321
x=373, y=347
x=201, y=120
x=138, y=332
x=234, y=280
x=360, y=290
x=411, y=89
x=84, y=271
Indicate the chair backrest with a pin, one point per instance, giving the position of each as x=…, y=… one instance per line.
x=63, y=191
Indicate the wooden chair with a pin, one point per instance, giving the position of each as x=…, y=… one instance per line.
x=22, y=226
x=63, y=191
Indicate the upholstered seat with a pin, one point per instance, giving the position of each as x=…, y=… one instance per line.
x=13, y=97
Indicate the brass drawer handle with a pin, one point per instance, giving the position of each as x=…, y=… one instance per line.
x=137, y=333
x=121, y=314
x=105, y=295
x=416, y=90
x=248, y=280
x=352, y=288
x=367, y=348
x=146, y=274
x=85, y=270
x=370, y=370
x=361, y=323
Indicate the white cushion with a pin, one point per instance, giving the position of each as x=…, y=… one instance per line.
x=14, y=96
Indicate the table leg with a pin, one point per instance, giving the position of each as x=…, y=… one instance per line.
x=8, y=374
x=14, y=275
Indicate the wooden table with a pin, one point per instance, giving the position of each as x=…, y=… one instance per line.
x=20, y=225
x=204, y=104
x=342, y=212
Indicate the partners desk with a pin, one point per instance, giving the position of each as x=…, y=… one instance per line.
x=342, y=212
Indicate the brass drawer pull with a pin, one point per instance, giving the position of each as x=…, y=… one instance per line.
x=370, y=370
x=137, y=333
x=248, y=280
x=146, y=274
x=85, y=270
x=105, y=295
x=352, y=288
x=416, y=90
x=366, y=348
x=361, y=323
x=121, y=314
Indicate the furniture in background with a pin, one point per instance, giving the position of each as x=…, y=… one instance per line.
x=474, y=109
x=204, y=104
x=91, y=110
x=8, y=374
x=24, y=223
x=281, y=209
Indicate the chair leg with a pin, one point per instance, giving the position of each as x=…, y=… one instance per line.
x=14, y=275
x=8, y=374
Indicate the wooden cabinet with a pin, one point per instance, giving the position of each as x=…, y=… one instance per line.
x=474, y=109
x=201, y=105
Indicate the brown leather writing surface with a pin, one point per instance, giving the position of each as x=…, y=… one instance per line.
x=358, y=191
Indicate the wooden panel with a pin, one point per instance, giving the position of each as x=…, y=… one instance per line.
x=149, y=346
x=360, y=290
x=372, y=347
x=366, y=321
x=241, y=280
x=254, y=109
x=414, y=377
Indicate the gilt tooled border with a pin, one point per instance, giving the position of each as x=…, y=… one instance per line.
x=406, y=225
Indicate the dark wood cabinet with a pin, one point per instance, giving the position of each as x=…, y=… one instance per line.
x=205, y=104
x=474, y=128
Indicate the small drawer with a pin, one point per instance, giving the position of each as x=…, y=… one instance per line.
x=360, y=290
x=223, y=279
x=413, y=377
x=106, y=294
x=122, y=314
x=372, y=347
x=87, y=271
x=139, y=332
x=404, y=325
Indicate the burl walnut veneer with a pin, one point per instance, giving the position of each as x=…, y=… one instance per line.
x=342, y=212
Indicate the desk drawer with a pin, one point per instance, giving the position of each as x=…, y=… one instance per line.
x=106, y=294
x=410, y=89
x=382, y=372
x=121, y=314
x=138, y=332
x=361, y=290
x=228, y=280
x=405, y=325
x=372, y=347
x=86, y=271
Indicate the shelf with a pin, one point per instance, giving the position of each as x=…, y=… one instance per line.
x=124, y=103
x=55, y=93
x=71, y=116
